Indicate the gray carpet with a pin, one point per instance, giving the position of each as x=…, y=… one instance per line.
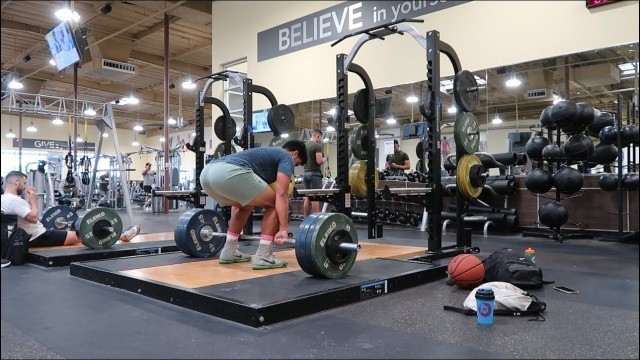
x=46, y=313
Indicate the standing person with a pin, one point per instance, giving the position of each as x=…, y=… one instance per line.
x=399, y=160
x=240, y=180
x=312, y=177
x=103, y=185
x=12, y=203
x=148, y=177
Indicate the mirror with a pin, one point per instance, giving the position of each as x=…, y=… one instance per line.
x=594, y=76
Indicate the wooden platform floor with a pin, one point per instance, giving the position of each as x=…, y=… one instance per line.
x=138, y=239
x=211, y=272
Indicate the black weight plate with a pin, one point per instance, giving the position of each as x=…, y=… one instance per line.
x=281, y=119
x=361, y=106
x=420, y=149
x=466, y=133
x=465, y=90
x=99, y=228
x=360, y=142
x=191, y=236
x=303, y=253
x=219, y=127
x=326, y=225
x=426, y=106
x=59, y=217
x=219, y=151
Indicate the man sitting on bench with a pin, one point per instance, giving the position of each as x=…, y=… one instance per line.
x=12, y=203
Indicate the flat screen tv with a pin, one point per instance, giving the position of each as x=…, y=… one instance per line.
x=421, y=129
x=259, y=123
x=63, y=46
x=408, y=131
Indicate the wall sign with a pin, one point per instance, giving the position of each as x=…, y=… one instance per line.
x=51, y=144
x=340, y=20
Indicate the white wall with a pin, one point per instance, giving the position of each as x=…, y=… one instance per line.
x=484, y=34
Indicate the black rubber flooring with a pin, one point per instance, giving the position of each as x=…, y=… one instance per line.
x=46, y=313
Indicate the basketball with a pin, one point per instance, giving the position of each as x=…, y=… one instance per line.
x=466, y=271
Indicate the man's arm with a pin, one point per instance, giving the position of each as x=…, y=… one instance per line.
x=32, y=197
x=319, y=158
x=282, y=202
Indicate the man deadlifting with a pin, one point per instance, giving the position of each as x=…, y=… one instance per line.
x=240, y=180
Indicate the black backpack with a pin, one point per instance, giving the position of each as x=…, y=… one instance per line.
x=509, y=266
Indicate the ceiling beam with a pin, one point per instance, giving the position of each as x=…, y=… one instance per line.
x=153, y=29
x=176, y=65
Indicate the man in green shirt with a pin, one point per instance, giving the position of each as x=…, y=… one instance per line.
x=399, y=160
x=312, y=177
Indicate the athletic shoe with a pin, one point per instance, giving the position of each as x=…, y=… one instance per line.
x=267, y=261
x=236, y=257
x=131, y=233
x=5, y=263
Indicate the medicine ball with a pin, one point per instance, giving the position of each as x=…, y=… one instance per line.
x=630, y=134
x=552, y=152
x=578, y=147
x=534, y=146
x=568, y=180
x=563, y=113
x=545, y=118
x=553, y=214
x=608, y=135
x=583, y=118
x=630, y=181
x=604, y=154
x=608, y=182
x=601, y=120
x=539, y=181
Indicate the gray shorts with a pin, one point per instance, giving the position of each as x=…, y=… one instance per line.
x=312, y=180
x=231, y=183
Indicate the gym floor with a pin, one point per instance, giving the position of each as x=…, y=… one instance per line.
x=46, y=313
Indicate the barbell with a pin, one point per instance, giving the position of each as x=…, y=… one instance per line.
x=99, y=228
x=325, y=246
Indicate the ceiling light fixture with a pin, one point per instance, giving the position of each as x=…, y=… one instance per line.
x=391, y=120
x=513, y=81
x=284, y=136
x=138, y=127
x=161, y=138
x=135, y=142
x=10, y=134
x=171, y=121
x=330, y=128
x=104, y=135
x=496, y=120
x=15, y=84
x=79, y=139
x=90, y=112
x=412, y=99
x=66, y=15
x=452, y=109
x=32, y=127
x=52, y=62
x=57, y=121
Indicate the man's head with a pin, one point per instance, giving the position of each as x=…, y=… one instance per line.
x=316, y=135
x=297, y=150
x=16, y=182
x=396, y=145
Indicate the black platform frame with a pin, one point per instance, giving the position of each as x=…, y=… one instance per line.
x=302, y=295
x=64, y=256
